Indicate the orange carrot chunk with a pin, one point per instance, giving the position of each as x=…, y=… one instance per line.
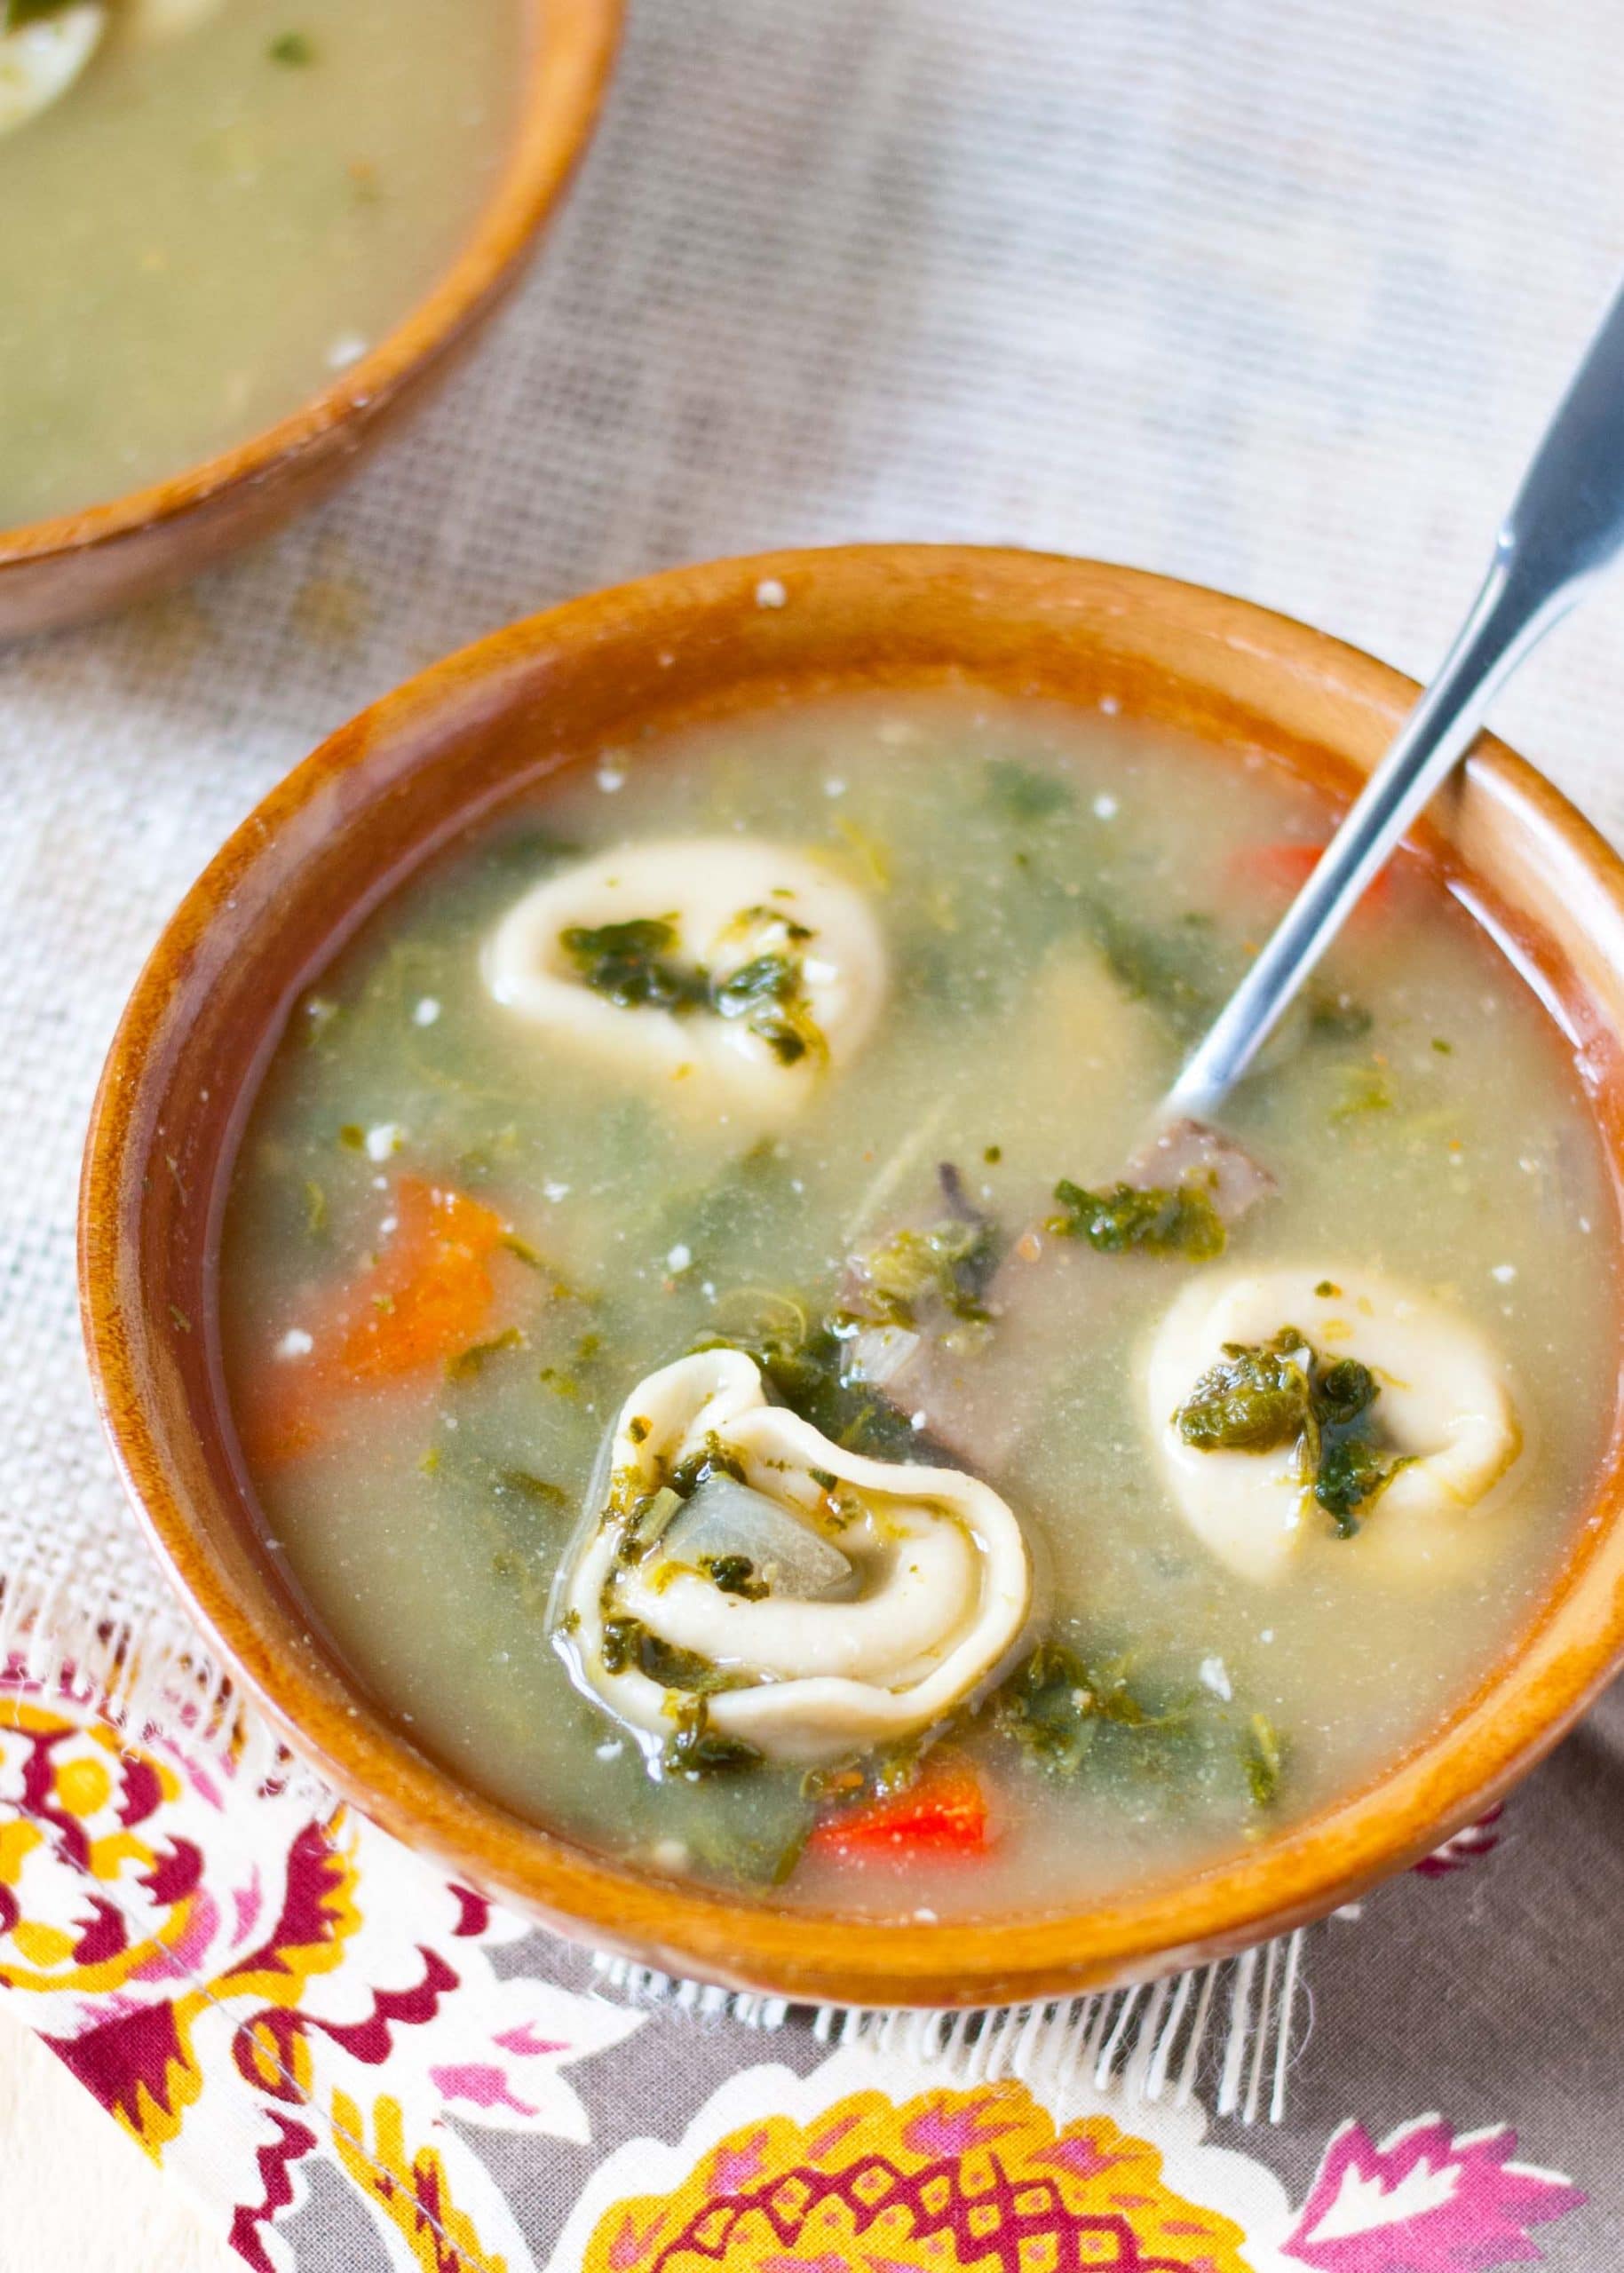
x=943, y=1812
x=430, y=1292
x=425, y=1298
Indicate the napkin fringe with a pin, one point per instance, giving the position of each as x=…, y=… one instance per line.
x=151, y=1674
x=1244, y=2020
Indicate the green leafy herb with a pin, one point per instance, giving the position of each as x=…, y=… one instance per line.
x=810, y=1377
x=1366, y=1089
x=696, y=1750
x=699, y=1468
x=1171, y=970
x=536, y=1489
x=649, y=1519
x=952, y=1261
x=627, y=1645
x=1052, y=1703
x=734, y=1575
x=629, y=962
x=1253, y=1400
x=1263, y=1756
x=1282, y=1392
x=1336, y=1017
x=352, y=1136
x=1127, y=1219
x=469, y=1363
x=766, y=993
x=1023, y=793
x=295, y=49
x=315, y=1207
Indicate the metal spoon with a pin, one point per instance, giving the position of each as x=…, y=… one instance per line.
x=1565, y=527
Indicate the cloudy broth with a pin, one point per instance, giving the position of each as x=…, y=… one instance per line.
x=208, y=228
x=1059, y=899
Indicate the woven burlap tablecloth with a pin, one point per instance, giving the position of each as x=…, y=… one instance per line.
x=1271, y=298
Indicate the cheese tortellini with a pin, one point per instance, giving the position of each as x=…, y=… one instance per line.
x=1417, y=1429
x=735, y=970
x=41, y=59
x=742, y=1581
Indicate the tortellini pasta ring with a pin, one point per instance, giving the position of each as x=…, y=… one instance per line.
x=1447, y=1416
x=941, y=1581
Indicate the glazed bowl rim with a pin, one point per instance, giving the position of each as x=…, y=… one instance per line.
x=573, y=45
x=1337, y=1853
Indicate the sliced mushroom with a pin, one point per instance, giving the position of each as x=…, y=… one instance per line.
x=807, y=1662
x=1447, y=1426
x=769, y=970
x=39, y=61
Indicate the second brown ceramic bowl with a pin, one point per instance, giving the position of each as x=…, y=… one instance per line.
x=82, y=563
x=377, y=799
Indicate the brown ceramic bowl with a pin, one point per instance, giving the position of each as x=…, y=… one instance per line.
x=83, y=563
x=373, y=801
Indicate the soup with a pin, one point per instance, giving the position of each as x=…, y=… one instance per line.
x=729, y=1357
x=213, y=207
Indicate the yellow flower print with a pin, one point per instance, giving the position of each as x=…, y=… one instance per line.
x=950, y=2181
x=415, y=2196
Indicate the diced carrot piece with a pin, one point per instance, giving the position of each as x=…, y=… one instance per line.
x=427, y=1297
x=944, y=1812
x=1279, y=870
x=431, y=1291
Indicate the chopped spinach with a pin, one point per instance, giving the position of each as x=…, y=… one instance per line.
x=1025, y=795
x=1263, y=1756
x=1172, y=970
x=470, y=1362
x=1150, y=1221
x=1252, y=1400
x=535, y=1489
x=1336, y=1017
x=1282, y=1392
x=629, y=964
x=1052, y=1703
x=766, y=993
x=699, y=1468
x=695, y=1750
x=1067, y=1708
x=629, y=1645
x=952, y=1262
x=734, y=1575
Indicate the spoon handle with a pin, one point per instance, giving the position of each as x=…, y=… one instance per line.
x=1565, y=529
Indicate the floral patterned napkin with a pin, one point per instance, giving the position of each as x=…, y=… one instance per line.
x=351, y=2061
